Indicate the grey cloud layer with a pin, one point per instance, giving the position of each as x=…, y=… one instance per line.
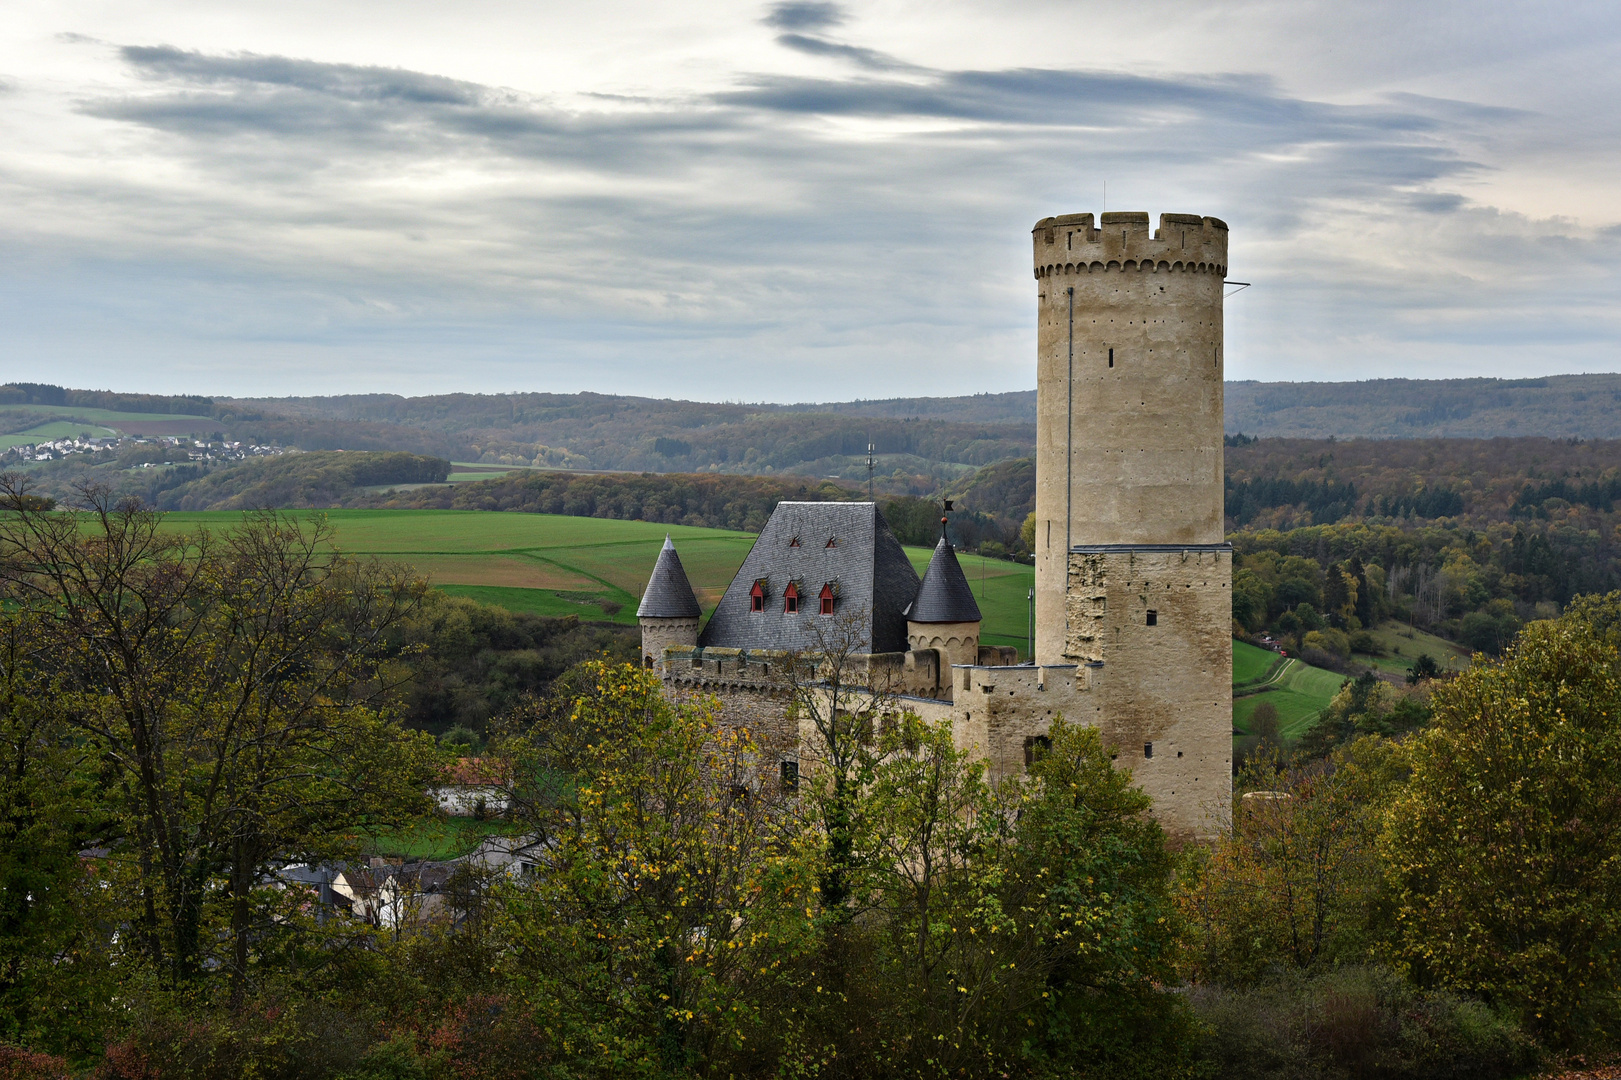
x=857, y=225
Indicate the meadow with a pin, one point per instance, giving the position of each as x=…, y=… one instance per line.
x=596, y=567
x=1297, y=690
x=1403, y=645
x=50, y=432
x=73, y=419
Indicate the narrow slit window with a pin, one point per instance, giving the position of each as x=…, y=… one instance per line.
x=1153, y=618
x=1111, y=358
x=1148, y=749
x=789, y=771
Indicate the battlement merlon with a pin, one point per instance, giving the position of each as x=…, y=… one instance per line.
x=1182, y=241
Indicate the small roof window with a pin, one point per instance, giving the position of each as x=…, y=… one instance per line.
x=790, y=599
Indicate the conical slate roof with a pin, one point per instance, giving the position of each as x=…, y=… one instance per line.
x=945, y=595
x=669, y=593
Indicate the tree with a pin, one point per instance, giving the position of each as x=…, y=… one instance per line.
x=1294, y=879
x=1091, y=916
x=1423, y=668
x=1252, y=596
x=931, y=846
x=671, y=891
x=1503, y=847
x=840, y=702
x=53, y=931
x=234, y=688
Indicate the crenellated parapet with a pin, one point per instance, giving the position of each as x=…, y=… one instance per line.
x=716, y=668
x=916, y=673
x=1124, y=243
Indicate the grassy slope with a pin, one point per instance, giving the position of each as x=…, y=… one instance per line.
x=558, y=565
x=112, y=418
x=1298, y=691
x=56, y=429
x=1403, y=645
x=1250, y=662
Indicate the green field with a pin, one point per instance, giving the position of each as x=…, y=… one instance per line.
x=556, y=565
x=56, y=429
x=1250, y=662
x=1297, y=690
x=113, y=419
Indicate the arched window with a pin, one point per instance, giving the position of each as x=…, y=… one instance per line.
x=757, y=597
x=790, y=599
x=827, y=599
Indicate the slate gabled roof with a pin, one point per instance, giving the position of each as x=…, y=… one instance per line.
x=669, y=593
x=945, y=595
x=866, y=566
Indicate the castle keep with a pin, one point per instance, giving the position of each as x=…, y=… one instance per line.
x=1133, y=578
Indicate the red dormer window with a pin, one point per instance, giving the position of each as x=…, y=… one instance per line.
x=827, y=599
x=790, y=599
x=757, y=597
x=832, y=541
x=794, y=542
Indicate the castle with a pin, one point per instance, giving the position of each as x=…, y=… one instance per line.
x=1133, y=600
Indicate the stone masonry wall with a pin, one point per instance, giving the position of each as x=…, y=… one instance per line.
x=1164, y=690
x=1129, y=363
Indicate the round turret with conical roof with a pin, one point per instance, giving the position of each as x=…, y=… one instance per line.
x=944, y=616
x=669, y=611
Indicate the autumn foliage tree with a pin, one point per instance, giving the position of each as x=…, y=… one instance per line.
x=1505, y=847
x=671, y=891
x=229, y=695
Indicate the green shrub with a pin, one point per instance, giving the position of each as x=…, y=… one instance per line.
x=1353, y=1022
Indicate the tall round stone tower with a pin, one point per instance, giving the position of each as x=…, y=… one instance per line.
x=1133, y=579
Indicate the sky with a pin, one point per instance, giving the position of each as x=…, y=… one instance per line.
x=792, y=201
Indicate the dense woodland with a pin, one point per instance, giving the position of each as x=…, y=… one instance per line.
x=187, y=719
x=1557, y=406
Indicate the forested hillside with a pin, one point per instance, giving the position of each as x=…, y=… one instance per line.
x=1557, y=406
x=922, y=446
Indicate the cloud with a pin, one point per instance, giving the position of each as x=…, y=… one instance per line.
x=867, y=58
x=768, y=239
x=340, y=80
x=796, y=15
